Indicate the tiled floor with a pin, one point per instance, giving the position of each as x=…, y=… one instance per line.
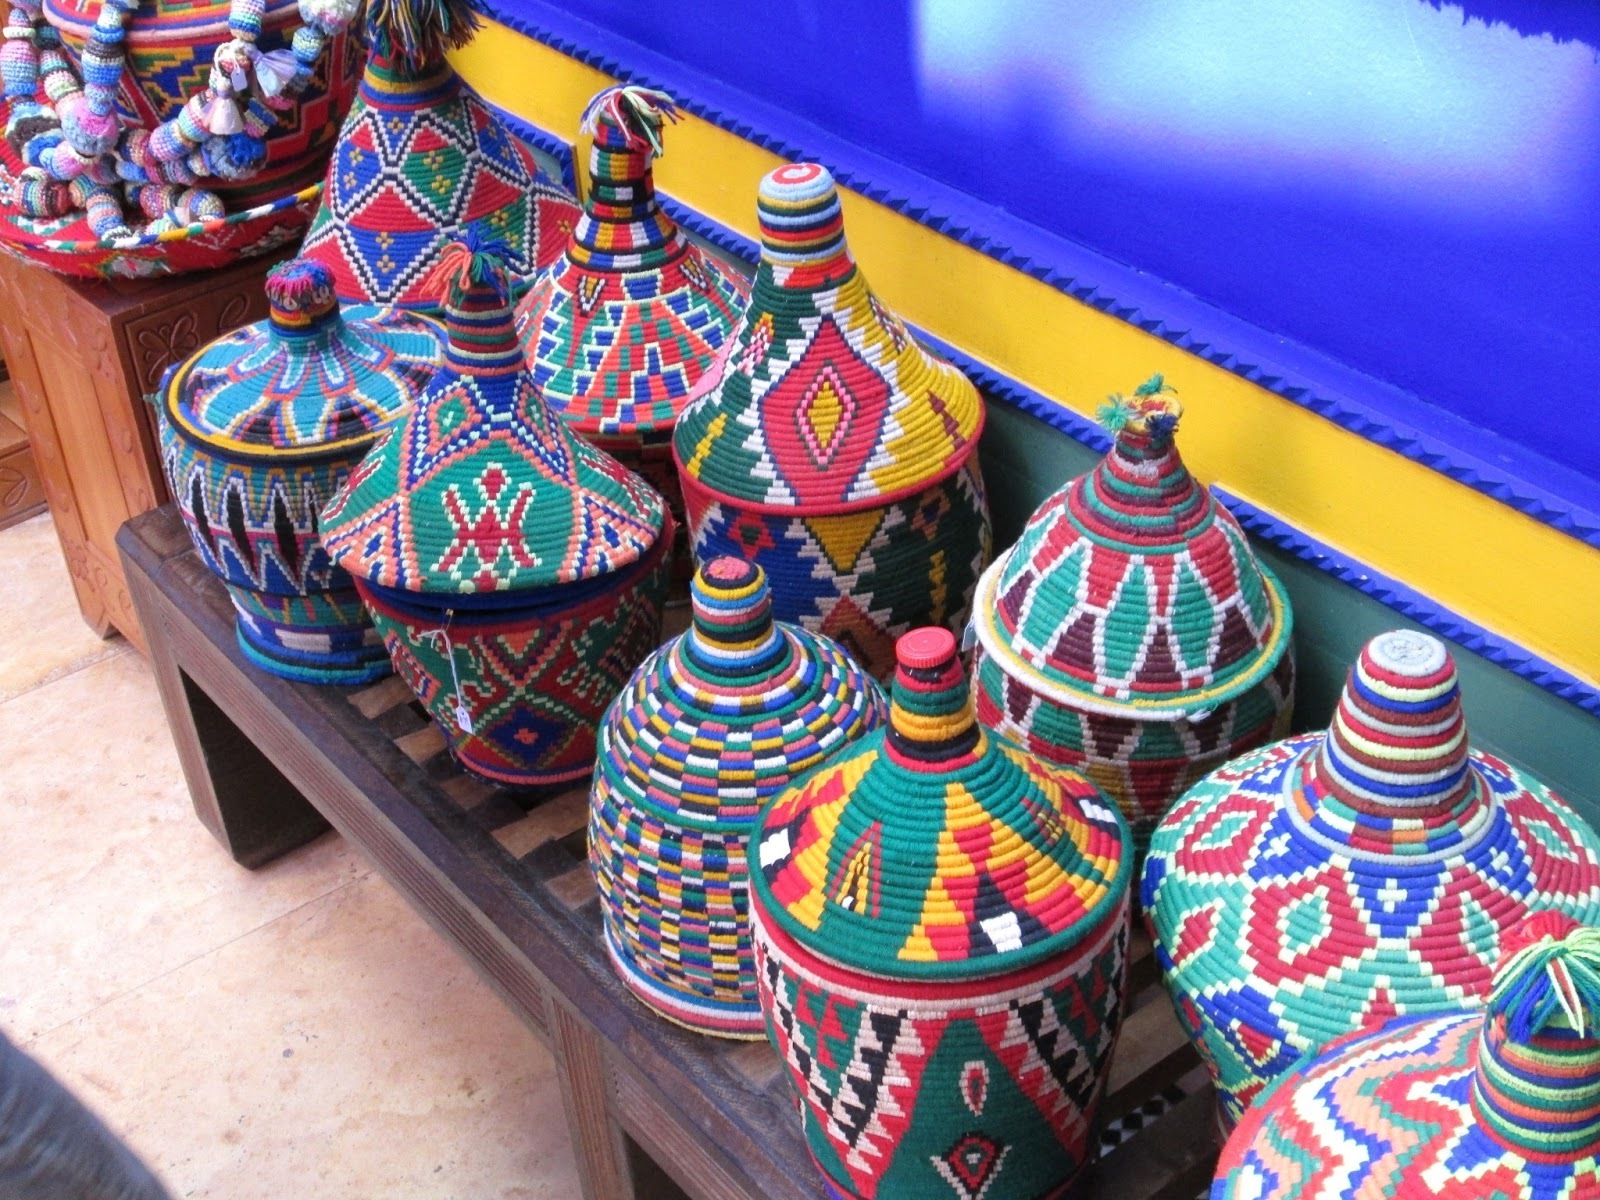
x=293, y=1031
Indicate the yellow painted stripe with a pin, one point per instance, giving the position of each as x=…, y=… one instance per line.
x=1466, y=551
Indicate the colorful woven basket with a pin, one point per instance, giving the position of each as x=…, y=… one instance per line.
x=941, y=928
x=633, y=320
x=1328, y=882
x=422, y=160
x=515, y=572
x=258, y=430
x=711, y=727
x=1131, y=633
x=166, y=51
x=836, y=451
x=1468, y=1106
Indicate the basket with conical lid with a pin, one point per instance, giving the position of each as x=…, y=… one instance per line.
x=1131, y=633
x=836, y=451
x=517, y=574
x=1499, y=1102
x=710, y=727
x=1331, y=881
x=258, y=430
x=941, y=927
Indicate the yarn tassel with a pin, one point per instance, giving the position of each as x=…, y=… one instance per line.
x=639, y=112
x=418, y=33
x=466, y=263
x=1554, y=978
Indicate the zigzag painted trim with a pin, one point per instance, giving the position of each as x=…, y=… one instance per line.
x=1187, y=324
x=1391, y=593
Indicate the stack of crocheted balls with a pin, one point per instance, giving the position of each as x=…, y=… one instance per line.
x=836, y=451
x=710, y=728
x=941, y=927
x=1334, y=880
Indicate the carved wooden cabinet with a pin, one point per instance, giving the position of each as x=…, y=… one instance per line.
x=82, y=355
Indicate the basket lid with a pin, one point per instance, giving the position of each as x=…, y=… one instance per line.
x=308, y=378
x=934, y=849
x=1336, y=879
x=714, y=723
x=1131, y=591
x=827, y=403
x=632, y=321
x=481, y=488
x=420, y=161
x=1503, y=1101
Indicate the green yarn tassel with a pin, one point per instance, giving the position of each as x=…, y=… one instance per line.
x=417, y=33
x=1554, y=977
x=1154, y=386
x=640, y=113
x=1116, y=414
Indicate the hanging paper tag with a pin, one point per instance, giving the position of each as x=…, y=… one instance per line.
x=1200, y=714
x=441, y=641
x=969, y=636
x=463, y=717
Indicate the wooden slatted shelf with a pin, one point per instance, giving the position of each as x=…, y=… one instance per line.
x=654, y=1110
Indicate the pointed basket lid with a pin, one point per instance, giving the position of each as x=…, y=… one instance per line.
x=420, y=161
x=934, y=849
x=1132, y=592
x=1499, y=1102
x=308, y=379
x=482, y=488
x=717, y=721
x=827, y=404
x=633, y=320
x=1365, y=871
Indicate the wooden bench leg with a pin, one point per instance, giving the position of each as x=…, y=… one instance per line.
x=238, y=794
x=604, y=1166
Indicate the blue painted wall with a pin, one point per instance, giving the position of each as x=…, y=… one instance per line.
x=1410, y=187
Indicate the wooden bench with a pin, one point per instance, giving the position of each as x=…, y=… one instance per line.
x=651, y=1108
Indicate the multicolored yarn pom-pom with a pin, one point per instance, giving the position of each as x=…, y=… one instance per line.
x=941, y=929
x=710, y=727
x=1329, y=882
x=1499, y=1102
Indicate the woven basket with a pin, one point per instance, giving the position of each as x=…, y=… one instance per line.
x=1130, y=633
x=941, y=931
x=710, y=727
x=1466, y=1105
x=835, y=451
x=517, y=573
x=1326, y=883
x=422, y=160
x=258, y=430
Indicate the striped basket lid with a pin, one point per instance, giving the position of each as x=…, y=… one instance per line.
x=308, y=378
x=934, y=849
x=1502, y=1102
x=482, y=488
x=714, y=723
x=1336, y=879
x=827, y=403
x=632, y=321
x=1132, y=592
x=420, y=161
